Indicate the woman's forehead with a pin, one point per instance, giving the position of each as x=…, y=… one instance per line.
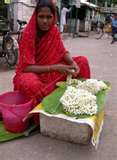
x=44, y=10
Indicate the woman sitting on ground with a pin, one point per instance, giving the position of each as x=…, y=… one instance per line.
x=43, y=59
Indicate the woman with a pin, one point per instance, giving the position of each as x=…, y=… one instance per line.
x=43, y=60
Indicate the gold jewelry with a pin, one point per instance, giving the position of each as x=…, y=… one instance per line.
x=48, y=68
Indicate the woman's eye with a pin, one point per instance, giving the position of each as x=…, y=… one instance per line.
x=41, y=17
x=49, y=17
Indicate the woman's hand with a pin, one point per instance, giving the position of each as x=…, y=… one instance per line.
x=76, y=69
x=69, y=69
x=72, y=69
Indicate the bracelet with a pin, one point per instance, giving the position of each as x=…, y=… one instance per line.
x=48, y=68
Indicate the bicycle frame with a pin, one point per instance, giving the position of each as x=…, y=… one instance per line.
x=21, y=28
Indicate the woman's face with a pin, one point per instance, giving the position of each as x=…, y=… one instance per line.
x=45, y=19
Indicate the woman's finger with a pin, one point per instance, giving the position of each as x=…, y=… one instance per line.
x=72, y=67
x=69, y=71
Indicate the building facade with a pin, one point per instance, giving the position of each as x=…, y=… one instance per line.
x=22, y=10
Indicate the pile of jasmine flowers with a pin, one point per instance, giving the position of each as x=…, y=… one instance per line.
x=92, y=85
x=81, y=99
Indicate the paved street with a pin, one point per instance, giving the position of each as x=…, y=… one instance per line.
x=103, y=58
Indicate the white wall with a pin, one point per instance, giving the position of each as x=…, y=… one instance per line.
x=29, y=2
x=23, y=10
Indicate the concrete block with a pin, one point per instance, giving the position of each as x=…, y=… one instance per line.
x=65, y=130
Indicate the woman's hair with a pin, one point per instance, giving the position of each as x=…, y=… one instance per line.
x=46, y=3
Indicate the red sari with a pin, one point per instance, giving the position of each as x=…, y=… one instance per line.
x=48, y=51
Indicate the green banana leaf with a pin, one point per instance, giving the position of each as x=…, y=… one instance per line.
x=52, y=103
x=6, y=136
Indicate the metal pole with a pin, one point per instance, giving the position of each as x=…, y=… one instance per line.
x=70, y=20
x=96, y=2
x=75, y=27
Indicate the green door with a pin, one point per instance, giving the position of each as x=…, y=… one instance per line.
x=3, y=9
x=4, y=25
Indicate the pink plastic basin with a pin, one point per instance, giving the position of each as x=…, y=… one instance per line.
x=14, y=106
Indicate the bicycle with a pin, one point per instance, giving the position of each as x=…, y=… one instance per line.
x=7, y=47
x=106, y=29
x=21, y=28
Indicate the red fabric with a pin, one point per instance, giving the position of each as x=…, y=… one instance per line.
x=49, y=50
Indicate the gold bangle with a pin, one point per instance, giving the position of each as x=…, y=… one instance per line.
x=48, y=69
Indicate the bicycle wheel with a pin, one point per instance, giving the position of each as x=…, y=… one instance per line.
x=12, y=57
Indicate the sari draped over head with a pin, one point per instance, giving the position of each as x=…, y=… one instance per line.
x=46, y=51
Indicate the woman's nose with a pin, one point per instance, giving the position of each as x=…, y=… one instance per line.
x=45, y=20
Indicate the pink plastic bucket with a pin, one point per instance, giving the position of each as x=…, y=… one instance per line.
x=0, y=114
x=14, y=106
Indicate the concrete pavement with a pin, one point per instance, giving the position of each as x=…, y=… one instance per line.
x=102, y=57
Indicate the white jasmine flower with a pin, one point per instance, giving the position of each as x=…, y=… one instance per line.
x=92, y=85
x=79, y=101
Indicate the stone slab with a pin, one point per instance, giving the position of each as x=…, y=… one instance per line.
x=65, y=130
